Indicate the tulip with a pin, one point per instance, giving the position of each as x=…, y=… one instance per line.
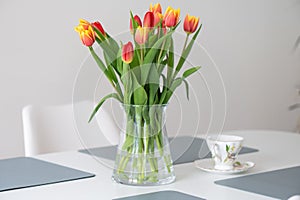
x=141, y=35
x=127, y=53
x=156, y=8
x=138, y=21
x=148, y=20
x=171, y=17
x=84, y=23
x=157, y=18
x=190, y=24
x=86, y=33
x=97, y=25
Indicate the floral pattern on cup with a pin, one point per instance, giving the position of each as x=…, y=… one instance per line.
x=224, y=150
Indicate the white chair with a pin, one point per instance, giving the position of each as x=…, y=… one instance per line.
x=65, y=127
x=295, y=197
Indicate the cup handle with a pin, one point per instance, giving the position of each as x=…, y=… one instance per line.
x=216, y=149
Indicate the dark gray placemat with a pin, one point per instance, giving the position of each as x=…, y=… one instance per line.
x=281, y=184
x=162, y=195
x=184, y=149
x=25, y=172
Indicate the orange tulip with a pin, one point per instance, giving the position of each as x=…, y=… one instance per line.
x=127, y=53
x=138, y=20
x=156, y=8
x=97, y=25
x=141, y=35
x=148, y=20
x=86, y=32
x=190, y=23
x=171, y=17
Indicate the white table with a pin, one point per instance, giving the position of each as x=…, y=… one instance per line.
x=276, y=150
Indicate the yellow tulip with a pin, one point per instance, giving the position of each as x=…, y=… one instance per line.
x=156, y=8
x=86, y=32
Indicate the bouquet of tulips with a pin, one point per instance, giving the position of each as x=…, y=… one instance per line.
x=143, y=72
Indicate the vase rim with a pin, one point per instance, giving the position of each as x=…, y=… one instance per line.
x=136, y=105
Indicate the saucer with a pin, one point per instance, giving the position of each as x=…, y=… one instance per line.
x=208, y=166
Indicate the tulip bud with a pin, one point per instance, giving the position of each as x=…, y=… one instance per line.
x=156, y=8
x=86, y=33
x=127, y=53
x=97, y=25
x=171, y=17
x=138, y=20
x=190, y=23
x=148, y=20
x=141, y=35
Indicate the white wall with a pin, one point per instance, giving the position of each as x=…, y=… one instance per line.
x=250, y=41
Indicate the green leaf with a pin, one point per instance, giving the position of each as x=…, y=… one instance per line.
x=153, y=83
x=227, y=148
x=108, y=48
x=127, y=82
x=119, y=62
x=139, y=94
x=152, y=40
x=187, y=51
x=150, y=56
x=190, y=71
x=177, y=82
x=112, y=95
x=110, y=68
x=101, y=65
x=171, y=54
x=187, y=89
x=164, y=80
x=156, y=48
x=114, y=45
x=134, y=23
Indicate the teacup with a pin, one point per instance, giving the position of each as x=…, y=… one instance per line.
x=224, y=150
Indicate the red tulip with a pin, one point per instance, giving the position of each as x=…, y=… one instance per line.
x=138, y=20
x=127, y=53
x=190, y=23
x=156, y=8
x=148, y=20
x=86, y=32
x=171, y=17
x=141, y=35
x=97, y=25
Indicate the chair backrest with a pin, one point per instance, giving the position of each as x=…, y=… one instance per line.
x=64, y=127
x=295, y=197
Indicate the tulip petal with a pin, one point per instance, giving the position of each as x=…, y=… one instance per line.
x=137, y=19
x=156, y=8
x=127, y=53
x=190, y=23
x=141, y=35
x=148, y=20
x=86, y=32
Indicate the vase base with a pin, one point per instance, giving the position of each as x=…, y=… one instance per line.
x=134, y=182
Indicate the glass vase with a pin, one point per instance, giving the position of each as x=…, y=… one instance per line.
x=143, y=155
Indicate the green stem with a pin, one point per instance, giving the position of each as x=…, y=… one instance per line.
x=161, y=50
x=142, y=55
x=185, y=42
x=184, y=46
